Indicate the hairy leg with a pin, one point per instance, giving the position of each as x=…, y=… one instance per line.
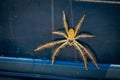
x=50, y=44
x=84, y=36
x=88, y=53
x=82, y=54
x=57, y=50
x=60, y=33
x=65, y=22
x=79, y=25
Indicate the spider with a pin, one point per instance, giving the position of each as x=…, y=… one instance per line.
x=71, y=40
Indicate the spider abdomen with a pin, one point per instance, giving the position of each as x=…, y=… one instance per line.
x=71, y=33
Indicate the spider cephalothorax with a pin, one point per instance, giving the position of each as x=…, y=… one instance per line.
x=71, y=36
x=71, y=39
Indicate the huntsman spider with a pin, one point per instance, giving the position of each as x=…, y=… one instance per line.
x=71, y=40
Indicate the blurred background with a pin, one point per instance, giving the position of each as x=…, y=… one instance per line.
x=26, y=24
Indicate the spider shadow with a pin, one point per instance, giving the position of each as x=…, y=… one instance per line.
x=48, y=50
x=63, y=29
x=60, y=29
x=85, y=32
x=57, y=39
x=89, y=48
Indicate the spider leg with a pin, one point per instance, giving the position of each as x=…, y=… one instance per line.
x=84, y=36
x=82, y=54
x=79, y=25
x=50, y=44
x=60, y=33
x=65, y=22
x=57, y=50
x=88, y=53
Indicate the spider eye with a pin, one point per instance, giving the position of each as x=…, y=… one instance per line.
x=70, y=40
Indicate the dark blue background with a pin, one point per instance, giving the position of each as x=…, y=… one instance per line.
x=26, y=24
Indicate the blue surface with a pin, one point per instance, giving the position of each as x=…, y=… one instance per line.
x=38, y=68
x=28, y=60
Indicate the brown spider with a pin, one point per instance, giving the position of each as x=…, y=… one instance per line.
x=71, y=40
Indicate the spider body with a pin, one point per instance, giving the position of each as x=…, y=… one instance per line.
x=71, y=40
